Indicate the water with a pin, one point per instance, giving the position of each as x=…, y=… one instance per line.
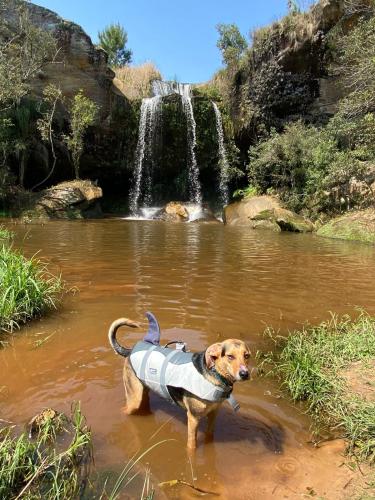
x=149, y=126
x=149, y=132
x=204, y=283
x=223, y=160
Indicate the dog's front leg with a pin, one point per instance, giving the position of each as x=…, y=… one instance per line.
x=193, y=422
x=211, y=419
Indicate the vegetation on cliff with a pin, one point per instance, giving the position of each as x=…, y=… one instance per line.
x=311, y=158
x=330, y=367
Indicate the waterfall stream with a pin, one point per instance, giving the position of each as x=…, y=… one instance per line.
x=223, y=160
x=148, y=130
x=149, y=125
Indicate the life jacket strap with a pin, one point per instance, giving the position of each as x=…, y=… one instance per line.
x=234, y=403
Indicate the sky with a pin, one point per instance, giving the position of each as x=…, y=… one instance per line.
x=178, y=36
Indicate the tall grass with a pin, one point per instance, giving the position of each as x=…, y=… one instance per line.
x=5, y=234
x=27, y=289
x=135, y=81
x=314, y=365
x=38, y=467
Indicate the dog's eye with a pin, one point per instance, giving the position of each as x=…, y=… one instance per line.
x=229, y=356
x=247, y=355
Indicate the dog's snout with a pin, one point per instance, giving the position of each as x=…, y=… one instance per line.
x=244, y=374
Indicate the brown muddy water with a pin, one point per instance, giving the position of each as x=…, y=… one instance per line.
x=203, y=282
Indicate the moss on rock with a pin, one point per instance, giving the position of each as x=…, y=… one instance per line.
x=355, y=226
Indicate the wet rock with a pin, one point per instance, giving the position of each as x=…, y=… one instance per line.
x=68, y=200
x=265, y=212
x=356, y=226
x=176, y=211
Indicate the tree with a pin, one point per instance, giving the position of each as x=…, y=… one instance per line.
x=231, y=43
x=52, y=95
x=113, y=40
x=83, y=112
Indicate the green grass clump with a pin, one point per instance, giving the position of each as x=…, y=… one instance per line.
x=346, y=229
x=27, y=289
x=312, y=364
x=5, y=234
x=39, y=467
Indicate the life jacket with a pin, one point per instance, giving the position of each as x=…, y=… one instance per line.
x=159, y=367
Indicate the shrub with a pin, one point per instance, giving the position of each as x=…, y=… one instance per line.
x=294, y=163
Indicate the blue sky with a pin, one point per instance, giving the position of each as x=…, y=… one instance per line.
x=179, y=37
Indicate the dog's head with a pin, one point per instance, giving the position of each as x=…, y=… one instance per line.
x=230, y=359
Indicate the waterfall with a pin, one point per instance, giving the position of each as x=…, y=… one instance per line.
x=161, y=88
x=195, y=194
x=148, y=128
x=223, y=160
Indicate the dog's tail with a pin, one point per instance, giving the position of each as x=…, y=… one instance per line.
x=119, y=349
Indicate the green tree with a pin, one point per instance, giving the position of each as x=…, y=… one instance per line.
x=83, y=112
x=52, y=95
x=113, y=40
x=231, y=43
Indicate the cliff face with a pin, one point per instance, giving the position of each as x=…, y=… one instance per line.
x=79, y=64
x=285, y=74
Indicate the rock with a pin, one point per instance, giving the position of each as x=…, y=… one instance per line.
x=68, y=200
x=356, y=226
x=176, y=211
x=265, y=212
x=240, y=212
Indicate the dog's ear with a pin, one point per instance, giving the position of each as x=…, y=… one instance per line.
x=212, y=353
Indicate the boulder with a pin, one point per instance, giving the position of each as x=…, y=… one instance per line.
x=68, y=200
x=240, y=212
x=356, y=226
x=176, y=211
x=265, y=212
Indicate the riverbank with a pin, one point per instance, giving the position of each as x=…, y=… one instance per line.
x=27, y=288
x=331, y=368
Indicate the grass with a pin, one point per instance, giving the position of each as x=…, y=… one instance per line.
x=37, y=466
x=27, y=289
x=135, y=81
x=5, y=234
x=315, y=365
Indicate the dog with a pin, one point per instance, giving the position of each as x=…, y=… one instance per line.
x=198, y=382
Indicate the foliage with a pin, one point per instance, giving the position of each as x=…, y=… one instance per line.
x=27, y=289
x=231, y=43
x=52, y=95
x=36, y=467
x=23, y=54
x=357, y=68
x=135, y=81
x=113, y=40
x=83, y=112
x=247, y=192
x=311, y=364
x=5, y=234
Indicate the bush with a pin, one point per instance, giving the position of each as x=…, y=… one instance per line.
x=294, y=163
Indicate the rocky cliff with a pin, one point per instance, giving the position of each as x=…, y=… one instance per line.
x=286, y=73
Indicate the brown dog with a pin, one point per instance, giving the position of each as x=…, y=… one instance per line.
x=218, y=367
